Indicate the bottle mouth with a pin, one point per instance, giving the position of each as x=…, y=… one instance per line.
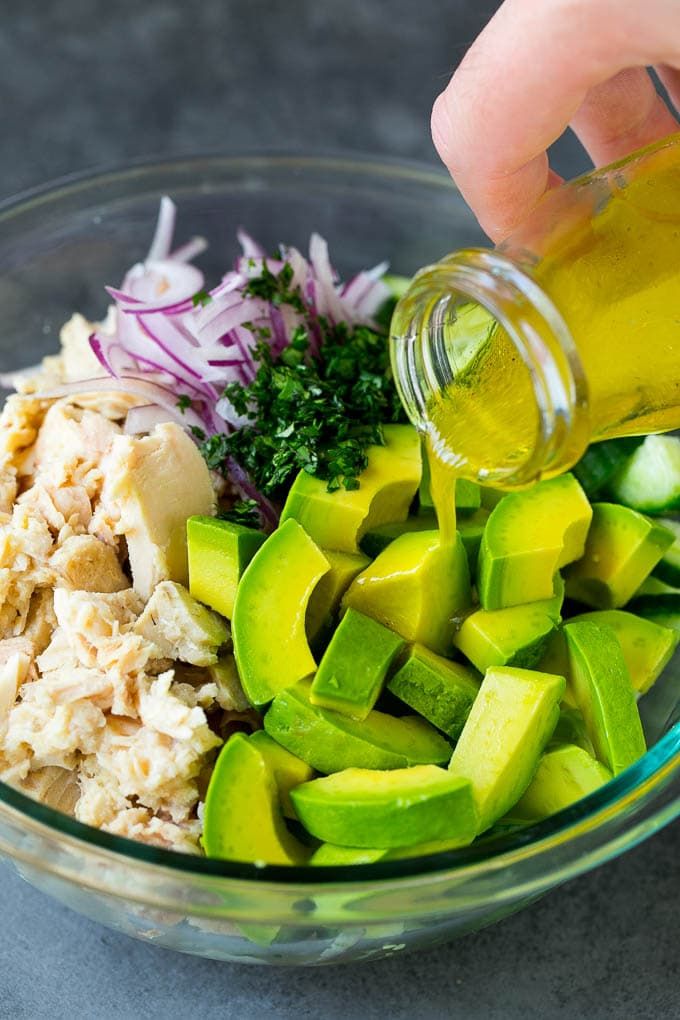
x=442, y=330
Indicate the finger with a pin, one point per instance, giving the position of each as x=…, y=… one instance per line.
x=622, y=114
x=521, y=83
x=670, y=79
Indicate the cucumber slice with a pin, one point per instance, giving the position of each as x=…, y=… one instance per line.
x=602, y=461
x=668, y=567
x=650, y=481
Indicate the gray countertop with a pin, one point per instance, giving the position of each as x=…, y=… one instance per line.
x=85, y=83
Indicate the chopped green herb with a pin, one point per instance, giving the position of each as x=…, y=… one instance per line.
x=313, y=414
x=183, y=402
x=244, y=511
x=276, y=288
x=202, y=298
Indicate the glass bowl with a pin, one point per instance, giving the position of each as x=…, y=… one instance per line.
x=59, y=245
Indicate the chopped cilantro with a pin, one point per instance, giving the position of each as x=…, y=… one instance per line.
x=183, y=402
x=313, y=414
x=202, y=298
x=244, y=511
x=276, y=288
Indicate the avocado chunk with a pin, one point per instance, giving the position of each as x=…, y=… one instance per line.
x=242, y=819
x=564, y=775
x=338, y=520
x=623, y=547
x=180, y=627
x=365, y=807
x=438, y=689
x=570, y=729
x=219, y=552
x=662, y=609
x=268, y=628
x=331, y=855
x=379, y=538
x=511, y=721
x=324, y=602
x=528, y=537
x=647, y=647
x=330, y=741
x=604, y=694
x=354, y=666
x=288, y=770
x=416, y=587
x=516, y=636
x=650, y=479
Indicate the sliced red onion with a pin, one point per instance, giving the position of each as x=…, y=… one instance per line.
x=145, y=417
x=165, y=228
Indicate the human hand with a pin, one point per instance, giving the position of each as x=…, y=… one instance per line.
x=540, y=66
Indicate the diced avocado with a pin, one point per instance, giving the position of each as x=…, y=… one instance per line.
x=379, y=538
x=528, y=537
x=330, y=741
x=601, y=462
x=571, y=728
x=650, y=480
x=662, y=609
x=438, y=689
x=604, y=694
x=564, y=775
x=647, y=647
x=288, y=770
x=668, y=567
x=471, y=531
x=354, y=666
x=516, y=636
x=324, y=602
x=219, y=552
x=365, y=807
x=338, y=520
x=331, y=855
x=512, y=719
x=653, y=586
x=622, y=548
x=180, y=627
x=416, y=587
x=268, y=628
x=242, y=819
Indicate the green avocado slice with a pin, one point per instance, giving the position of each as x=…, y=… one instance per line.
x=288, y=770
x=528, y=537
x=268, y=628
x=338, y=520
x=623, y=547
x=604, y=694
x=354, y=666
x=564, y=775
x=378, y=538
x=516, y=636
x=219, y=552
x=511, y=721
x=416, y=587
x=438, y=689
x=324, y=602
x=365, y=807
x=647, y=646
x=330, y=741
x=242, y=819
x=330, y=855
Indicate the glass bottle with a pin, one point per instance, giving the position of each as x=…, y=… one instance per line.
x=512, y=360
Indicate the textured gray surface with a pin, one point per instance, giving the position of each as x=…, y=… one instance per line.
x=86, y=82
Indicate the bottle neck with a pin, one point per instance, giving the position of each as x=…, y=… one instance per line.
x=478, y=331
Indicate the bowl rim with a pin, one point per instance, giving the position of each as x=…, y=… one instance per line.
x=642, y=783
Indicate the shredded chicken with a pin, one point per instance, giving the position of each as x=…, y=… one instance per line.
x=113, y=694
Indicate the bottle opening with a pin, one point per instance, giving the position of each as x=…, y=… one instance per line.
x=486, y=366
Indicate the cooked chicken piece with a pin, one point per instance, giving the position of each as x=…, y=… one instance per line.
x=40, y=621
x=78, y=360
x=71, y=445
x=54, y=786
x=13, y=673
x=20, y=420
x=47, y=734
x=84, y=563
x=13, y=646
x=25, y=547
x=180, y=627
x=155, y=483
